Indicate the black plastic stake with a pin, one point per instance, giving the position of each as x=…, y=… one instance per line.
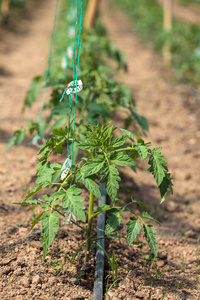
x=99, y=271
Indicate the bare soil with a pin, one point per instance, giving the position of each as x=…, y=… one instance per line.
x=173, y=117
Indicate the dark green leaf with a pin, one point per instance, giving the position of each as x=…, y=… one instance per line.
x=157, y=162
x=117, y=141
x=128, y=134
x=122, y=159
x=49, y=228
x=133, y=229
x=150, y=236
x=141, y=204
x=92, y=186
x=111, y=177
x=113, y=221
x=36, y=220
x=33, y=93
x=72, y=202
x=101, y=208
x=142, y=151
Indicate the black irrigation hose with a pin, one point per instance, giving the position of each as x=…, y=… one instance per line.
x=99, y=271
x=191, y=89
x=194, y=93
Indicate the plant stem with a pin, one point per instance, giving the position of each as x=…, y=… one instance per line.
x=89, y=227
x=124, y=149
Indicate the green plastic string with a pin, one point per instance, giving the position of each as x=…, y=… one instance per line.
x=49, y=62
x=76, y=60
x=77, y=71
x=70, y=38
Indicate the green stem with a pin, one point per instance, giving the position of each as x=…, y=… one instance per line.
x=79, y=225
x=64, y=182
x=99, y=212
x=89, y=227
x=124, y=149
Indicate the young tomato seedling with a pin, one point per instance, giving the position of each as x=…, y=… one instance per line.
x=104, y=154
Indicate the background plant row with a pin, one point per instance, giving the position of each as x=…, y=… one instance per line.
x=147, y=19
x=101, y=96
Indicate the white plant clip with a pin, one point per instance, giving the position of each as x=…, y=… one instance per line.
x=65, y=168
x=38, y=142
x=67, y=217
x=197, y=52
x=69, y=52
x=64, y=63
x=74, y=87
x=71, y=32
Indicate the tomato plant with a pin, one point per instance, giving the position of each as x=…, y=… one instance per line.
x=104, y=153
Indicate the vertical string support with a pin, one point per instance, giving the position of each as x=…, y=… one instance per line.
x=76, y=62
x=49, y=62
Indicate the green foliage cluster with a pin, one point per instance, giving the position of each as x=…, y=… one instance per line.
x=186, y=2
x=16, y=4
x=102, y=94
x=147, y=17
x=104, y=153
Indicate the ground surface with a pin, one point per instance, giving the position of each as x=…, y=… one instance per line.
x=173, y=117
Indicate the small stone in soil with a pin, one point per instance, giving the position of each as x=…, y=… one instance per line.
x=171, y=206
x=190, y=234
x=36, y=279
x=73, y=279
x=25, y=281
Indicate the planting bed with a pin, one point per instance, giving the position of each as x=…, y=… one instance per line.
x=173, y=118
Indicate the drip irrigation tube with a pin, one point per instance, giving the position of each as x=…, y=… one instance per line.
x=194, y=93
x=99, y=271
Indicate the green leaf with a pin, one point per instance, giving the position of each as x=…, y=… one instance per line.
x=142, y=121
x=41, y=129
x=117, y=141
x=92, y=186
x=101, y=208
x=44, y=172
x=50, y=224
x=94, y=166
x=16, y=139
x=113, y=221
x=72, y=201
x=157, y=162
x=122, y=159
x=88, y=145
x=141, y=204
x=96, y=110
x=133, y=229
x=36, y=220
x=111, y=177
x=29, y=202
x=133, y=154
x=107, y=132
x=89, y=182
x=128, y=134
x=145, y=214
x=33, y=191
x=164, y=186
x=33, y=93
x=150, y=236
x=142, y=151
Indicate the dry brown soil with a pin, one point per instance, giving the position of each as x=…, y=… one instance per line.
x=173, y=117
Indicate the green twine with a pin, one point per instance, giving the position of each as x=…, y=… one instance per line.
x=70, y=36
x=76, y=61
x=49, y=62
x=77, y=68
